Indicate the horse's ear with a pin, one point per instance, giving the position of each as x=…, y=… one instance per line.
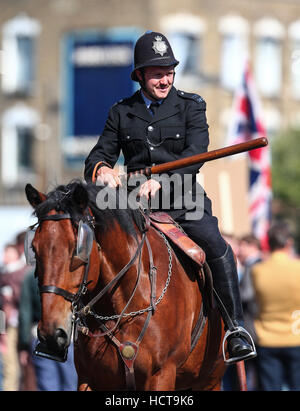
x=34, y=197
x=81, y=197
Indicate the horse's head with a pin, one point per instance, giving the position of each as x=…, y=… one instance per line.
x=62, y=245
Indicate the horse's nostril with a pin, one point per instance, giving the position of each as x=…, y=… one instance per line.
x=41, y=336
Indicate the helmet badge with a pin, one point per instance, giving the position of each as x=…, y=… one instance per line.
x=159, y=46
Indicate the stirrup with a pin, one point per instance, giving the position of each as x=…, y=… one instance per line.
x=239, y=331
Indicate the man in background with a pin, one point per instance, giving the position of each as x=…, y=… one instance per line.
x=276, y=283
x=11, y=277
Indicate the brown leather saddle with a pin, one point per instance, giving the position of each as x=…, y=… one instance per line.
x=164, y=223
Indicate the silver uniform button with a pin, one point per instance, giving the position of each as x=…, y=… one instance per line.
x=150, y=128
x=151, y=148
x=177, y=135
x=128, y=137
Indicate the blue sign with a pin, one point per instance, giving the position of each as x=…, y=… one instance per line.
x=97, y=75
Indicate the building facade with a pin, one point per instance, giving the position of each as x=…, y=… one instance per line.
x=63, y=63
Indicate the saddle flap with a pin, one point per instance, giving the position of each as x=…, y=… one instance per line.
x=161, y=217
x=165, y=223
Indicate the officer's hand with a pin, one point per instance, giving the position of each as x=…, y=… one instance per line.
x=149, y=188
x=106, y=175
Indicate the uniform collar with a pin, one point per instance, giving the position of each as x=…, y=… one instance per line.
x=147, y=101
x=169, y=107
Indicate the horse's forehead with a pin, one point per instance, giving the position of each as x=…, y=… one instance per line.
x=50, y=232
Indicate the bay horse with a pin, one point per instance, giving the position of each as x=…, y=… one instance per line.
x=132, y=329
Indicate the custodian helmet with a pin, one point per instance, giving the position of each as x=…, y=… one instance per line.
x=152, y=49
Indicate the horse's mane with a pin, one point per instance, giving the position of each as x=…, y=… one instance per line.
x=62, y=199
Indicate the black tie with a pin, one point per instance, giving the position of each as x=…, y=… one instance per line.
x=154, y=107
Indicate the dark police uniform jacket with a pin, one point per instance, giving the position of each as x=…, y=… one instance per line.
x=179, y=129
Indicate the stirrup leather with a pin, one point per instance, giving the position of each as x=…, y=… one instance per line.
x=239, y=331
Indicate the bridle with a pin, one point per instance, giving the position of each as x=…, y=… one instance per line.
x=75, y=298
x=67, y=295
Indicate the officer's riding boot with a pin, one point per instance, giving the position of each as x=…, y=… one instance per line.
x=226, y=290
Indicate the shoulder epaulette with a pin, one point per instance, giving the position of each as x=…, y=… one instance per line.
x=191, y=96
x=118, y=102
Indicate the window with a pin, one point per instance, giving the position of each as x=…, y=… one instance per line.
x=185, y=48
x=96, y=63
x=24, y=153
x=268, y=56
x=18, y=65
x=185, y=33
x=18, y=130
x=234, y=30
x=26, y=72
x=294, y=34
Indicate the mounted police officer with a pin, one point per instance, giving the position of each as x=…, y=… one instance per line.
x=159, y=124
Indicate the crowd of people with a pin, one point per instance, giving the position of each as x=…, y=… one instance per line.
x=270, y=292
x=20, y=370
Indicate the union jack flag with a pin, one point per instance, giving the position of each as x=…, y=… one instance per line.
x=246, y=125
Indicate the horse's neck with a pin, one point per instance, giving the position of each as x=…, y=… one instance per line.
x=117, y=250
